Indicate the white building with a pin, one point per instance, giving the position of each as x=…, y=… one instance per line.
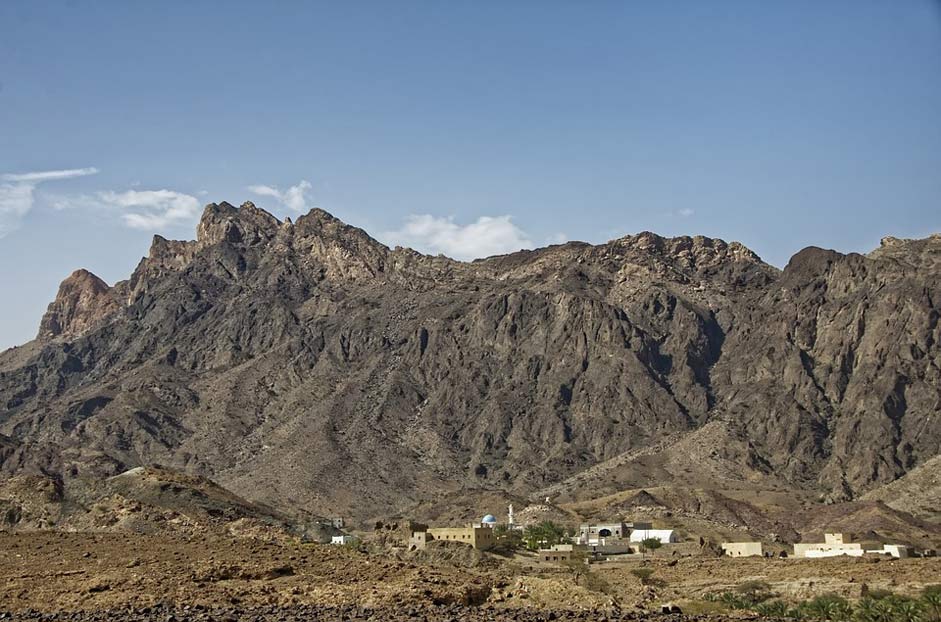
x=598, y=533
x=606, y=533
x=833, y=545
x=899, y=551
x=665, y=536
x=341, y=540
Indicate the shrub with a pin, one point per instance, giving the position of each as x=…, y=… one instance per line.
x=772, y=609
x=879, y=594
x=595, y=583
x=643, y=573
x=733, y=601
x=754, y=592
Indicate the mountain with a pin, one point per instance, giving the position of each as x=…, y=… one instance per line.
x=307, y=366
x=918, y=492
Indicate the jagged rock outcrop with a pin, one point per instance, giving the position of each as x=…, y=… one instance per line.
x=83, y=302
x=307, y=365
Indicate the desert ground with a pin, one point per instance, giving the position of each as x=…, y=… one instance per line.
x=79, y=576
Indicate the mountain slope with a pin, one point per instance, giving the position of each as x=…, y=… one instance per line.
x=306, y=365
x=918, y=492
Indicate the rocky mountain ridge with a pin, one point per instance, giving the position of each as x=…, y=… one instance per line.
x=305, y=365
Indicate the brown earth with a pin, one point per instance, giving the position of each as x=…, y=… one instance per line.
x=56, y=571
x=64, y=572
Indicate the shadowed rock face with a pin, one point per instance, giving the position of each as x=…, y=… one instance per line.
x=307, y=365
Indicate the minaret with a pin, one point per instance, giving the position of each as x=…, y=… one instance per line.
x=509, y=517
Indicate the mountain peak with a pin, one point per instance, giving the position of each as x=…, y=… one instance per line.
x=247, y=224
x=82, y=301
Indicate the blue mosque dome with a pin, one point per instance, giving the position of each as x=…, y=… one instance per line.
x=489, y=519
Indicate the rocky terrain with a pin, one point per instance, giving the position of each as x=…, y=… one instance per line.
x=213, y=576
x=304, y=613
x=306, y=367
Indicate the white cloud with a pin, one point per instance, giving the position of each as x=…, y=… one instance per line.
x=152, y=209
x=488, y=235
x=293, y=198
x=686, y=212
x=17, y=193
x=41, y=176
x=15, y=201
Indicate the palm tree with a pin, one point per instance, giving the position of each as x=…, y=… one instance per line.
x=865, y=610
x=908, y=611
x=931, y=600
x=884, y=610
x=829, y=607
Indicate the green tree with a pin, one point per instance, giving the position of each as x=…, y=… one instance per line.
x=507, y=540
x=544, y=534
x=649, y=544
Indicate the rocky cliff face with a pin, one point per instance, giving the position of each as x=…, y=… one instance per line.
x=82, y=303
x=307, y=365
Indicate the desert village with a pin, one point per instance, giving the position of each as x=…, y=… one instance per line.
x=618, y=540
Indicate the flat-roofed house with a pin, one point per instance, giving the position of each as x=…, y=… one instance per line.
x=474, y=535
x=742, y=549
x=833, y=545
x=665, y=536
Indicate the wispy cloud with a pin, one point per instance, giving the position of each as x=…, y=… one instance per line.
x=488, y=235
x=152, y=209
x=686, y=212
x=17, y=193
x=41, y=176
x=294, y=198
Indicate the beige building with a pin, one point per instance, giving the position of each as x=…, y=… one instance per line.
x=833, y=545
x=742, y=549
x=474, y=535
x=557, y=553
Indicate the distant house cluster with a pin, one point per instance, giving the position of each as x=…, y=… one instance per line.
x=602, y=534
x=608, y=540
x=833, y=545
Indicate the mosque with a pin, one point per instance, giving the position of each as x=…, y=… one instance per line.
x=478, y=535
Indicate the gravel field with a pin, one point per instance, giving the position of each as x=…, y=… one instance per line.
x=298, y=613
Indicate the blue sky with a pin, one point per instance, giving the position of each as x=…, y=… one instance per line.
x=464, y=128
